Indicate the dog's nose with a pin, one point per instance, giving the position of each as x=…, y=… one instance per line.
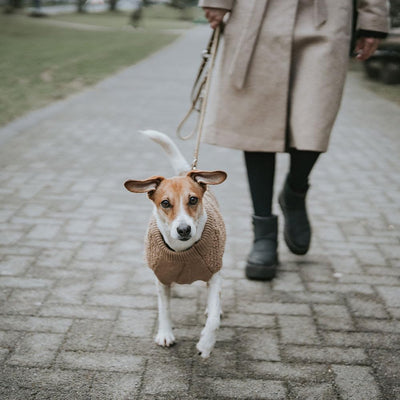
x=184, y=230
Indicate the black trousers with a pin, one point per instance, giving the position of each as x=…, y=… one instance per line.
x=261, y=172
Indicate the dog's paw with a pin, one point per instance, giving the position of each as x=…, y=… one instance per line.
x=165, y=339
x=205, y=346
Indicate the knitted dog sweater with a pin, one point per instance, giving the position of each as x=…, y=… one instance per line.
x=200, y=261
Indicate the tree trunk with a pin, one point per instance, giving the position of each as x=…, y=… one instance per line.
x=113, y=5
x=81, y=6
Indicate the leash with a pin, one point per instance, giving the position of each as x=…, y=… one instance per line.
x=200, y=91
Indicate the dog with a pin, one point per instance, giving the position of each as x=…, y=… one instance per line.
x=185, y=239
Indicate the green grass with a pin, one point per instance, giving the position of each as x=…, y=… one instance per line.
x=42, y=62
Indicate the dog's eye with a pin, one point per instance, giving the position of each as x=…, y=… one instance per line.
x=193, y=200
x=165, y=204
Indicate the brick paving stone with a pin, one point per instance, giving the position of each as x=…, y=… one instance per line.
x=8, y=339
x=46, y=232
x=388, y=271
x=292, y=372
x=241, y=388
x=186, y=311
x=333, y=317
x=378, y=325
x=136, y=323
x=225, y=365
x=391, y=295
x=81, y=312
x=298, y=330
x=323, y=391
x=113, y=300
x=47, y=383
x=35, y=324
x=394, y=312
x=325, y=354
x=275, y=308
x=78, y=304
x=386, y=366
x=365, y=339
x=24, y=283
x=290, y=282
x=99, y=361
x=341, y=288
x=3, y=354
x=260, y=345
x=69, y=291
x=169, y=376
x=54, y=258
x=88, y=335
x=316, y=298
x=367, y=307
x=24, y=301
x=115, y=386
x=356, y=382
x=15, y=265
x=36, y=349
x=244, y=320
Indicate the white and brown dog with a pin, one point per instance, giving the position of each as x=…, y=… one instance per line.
x=186, y=238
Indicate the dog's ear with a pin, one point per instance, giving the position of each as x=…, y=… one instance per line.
x=146, y=186
x=207, y=177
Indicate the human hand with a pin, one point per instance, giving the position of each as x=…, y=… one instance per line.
x=214, y=15
x=365, y=47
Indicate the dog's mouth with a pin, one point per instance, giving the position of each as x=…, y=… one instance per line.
x=185, y=238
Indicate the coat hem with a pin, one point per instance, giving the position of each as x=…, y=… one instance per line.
x=236, y=142
x=262, y=145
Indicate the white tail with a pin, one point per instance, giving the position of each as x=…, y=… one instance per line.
x=179, y=164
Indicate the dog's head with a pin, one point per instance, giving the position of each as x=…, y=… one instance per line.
x=178, y=204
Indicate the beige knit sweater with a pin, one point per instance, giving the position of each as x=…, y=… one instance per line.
x=200, y=261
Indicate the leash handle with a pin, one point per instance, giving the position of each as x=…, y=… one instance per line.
x=200, y=96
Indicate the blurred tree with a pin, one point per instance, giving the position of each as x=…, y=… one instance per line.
x=113, y=5
x=37, y=9
x=137, y=14
x=12, y=5
x=81, y=5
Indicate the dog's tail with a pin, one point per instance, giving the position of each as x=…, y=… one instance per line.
x=178, y=162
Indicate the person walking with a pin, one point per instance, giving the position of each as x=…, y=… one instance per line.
x=277, y=87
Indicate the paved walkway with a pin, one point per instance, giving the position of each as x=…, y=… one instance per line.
x=78, y=306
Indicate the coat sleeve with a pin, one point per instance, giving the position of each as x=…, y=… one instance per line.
x=373, y=15
x=226, y=4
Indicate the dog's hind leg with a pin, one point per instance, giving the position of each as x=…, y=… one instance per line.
x=164, y=337
x=208, y=335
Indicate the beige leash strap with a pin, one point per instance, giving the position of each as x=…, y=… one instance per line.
x=200, y=90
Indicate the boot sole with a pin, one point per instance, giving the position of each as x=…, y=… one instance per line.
x=300, y=251
x=261, y=272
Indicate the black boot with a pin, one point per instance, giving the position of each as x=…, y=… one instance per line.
x=297, y=232
x=263, y=258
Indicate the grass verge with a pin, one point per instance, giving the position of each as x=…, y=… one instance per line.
x=47, y=59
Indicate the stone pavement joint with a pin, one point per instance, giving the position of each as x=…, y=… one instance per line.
x=78, y=304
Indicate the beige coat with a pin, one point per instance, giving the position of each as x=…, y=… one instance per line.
x=281, y=69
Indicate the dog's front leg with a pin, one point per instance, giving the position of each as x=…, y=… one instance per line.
x=164, y=337
x=208, y=335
